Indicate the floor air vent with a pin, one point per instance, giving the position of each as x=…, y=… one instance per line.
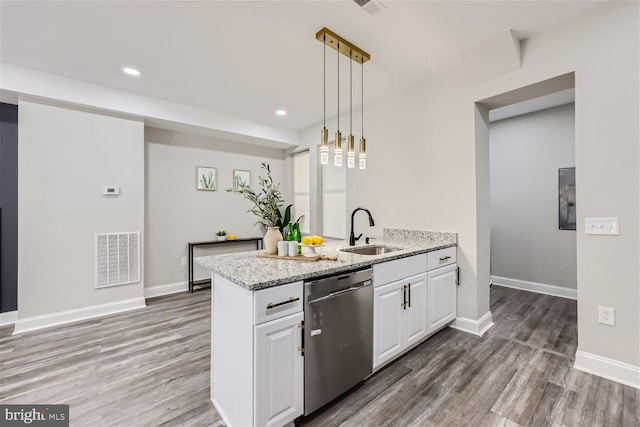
x=117, y=259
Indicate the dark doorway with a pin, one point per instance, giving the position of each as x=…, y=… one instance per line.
x=8, y=207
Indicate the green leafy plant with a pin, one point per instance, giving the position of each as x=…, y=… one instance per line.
x=266, y=201
x=221, y=233
x=284, y=220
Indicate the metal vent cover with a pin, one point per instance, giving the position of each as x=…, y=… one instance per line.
x=117, y=258
x=372, y=7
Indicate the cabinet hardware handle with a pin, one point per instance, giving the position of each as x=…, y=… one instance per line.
x=444, y=258
x=272, y=305
x=409, y=288
x=404, y=297
x=458, y=276
x=301, y=346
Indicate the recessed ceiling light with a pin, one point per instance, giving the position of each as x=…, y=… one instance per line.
x=131, y=71
x=281, y=112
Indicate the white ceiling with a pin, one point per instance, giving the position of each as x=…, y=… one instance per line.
x=250, y=58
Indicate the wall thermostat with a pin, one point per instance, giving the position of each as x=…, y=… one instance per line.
x=110, y=190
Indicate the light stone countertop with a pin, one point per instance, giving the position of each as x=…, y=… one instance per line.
x=252, y=273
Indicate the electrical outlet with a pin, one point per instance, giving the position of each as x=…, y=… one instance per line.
x=183, y=260
x=606, y=315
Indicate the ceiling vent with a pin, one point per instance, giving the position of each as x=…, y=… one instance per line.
x=372, y=7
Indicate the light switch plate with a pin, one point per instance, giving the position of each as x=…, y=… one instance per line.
x=607, y=226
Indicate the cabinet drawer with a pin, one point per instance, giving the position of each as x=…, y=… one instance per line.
x=441, y=258
x=276, y=302
x=398, y=269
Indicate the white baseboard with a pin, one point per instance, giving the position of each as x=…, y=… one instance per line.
x=475, y=327
x=8, y=317
x=540, y=288
x=610, y=369
x=63, y=317
x=169, y=288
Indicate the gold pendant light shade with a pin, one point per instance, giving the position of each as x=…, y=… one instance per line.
x=351, y=152
x=342, y=46
x=324, y=146
x=363, y=153
x=338, y=150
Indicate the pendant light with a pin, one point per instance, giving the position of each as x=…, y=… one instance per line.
x=342, y=46
x=351, y=161
x=324, y=133
x=337, y=151
x=363, y=142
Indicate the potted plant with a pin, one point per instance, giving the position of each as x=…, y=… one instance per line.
x=266, y=206
x=222, y=235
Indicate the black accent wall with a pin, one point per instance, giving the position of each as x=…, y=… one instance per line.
x=8, y=207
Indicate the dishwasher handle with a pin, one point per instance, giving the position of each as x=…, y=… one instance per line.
x=340, y=292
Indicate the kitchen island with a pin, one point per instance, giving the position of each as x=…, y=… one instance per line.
x=257, y=365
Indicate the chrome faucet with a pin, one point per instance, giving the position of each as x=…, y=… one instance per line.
x=352, y=237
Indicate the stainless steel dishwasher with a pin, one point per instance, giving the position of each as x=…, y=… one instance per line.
x=338, y=336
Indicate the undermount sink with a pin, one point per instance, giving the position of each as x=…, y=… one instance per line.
x=371, y=250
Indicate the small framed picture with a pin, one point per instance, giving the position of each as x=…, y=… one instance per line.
x=241, y=178
x=206, y=178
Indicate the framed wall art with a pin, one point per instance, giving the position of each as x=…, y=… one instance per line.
x=241, y=178
x=206, y=178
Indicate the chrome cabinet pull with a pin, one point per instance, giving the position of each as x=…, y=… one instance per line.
x=444, y=258
x=272, y=305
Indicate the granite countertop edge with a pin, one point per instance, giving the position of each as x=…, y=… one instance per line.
x=238, y=268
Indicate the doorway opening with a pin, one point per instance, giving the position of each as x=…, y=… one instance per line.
x=525, y=151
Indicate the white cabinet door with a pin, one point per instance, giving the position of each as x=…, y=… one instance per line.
x=279, y=370
x=387, y=322
x=415, y=313
x=442, y=296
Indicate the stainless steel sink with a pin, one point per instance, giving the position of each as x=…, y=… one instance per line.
x=371, y=250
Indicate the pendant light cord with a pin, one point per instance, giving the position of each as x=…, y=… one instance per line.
x=350, y=93
x=338, y=86
x=324, y=81
x=362, y=94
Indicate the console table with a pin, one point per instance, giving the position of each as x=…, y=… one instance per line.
x=192, y=245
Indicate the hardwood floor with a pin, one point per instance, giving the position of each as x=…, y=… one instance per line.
x=144, y=368
x=151, y=367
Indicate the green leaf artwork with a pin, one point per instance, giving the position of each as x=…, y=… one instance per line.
x=206, y=179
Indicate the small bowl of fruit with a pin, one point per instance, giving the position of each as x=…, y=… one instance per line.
x=311, y=243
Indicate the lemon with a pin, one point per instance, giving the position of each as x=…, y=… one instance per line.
x=317, y=240
x=231, y=236
x=307, y=240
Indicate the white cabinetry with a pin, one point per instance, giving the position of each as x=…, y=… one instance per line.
x=442, y=296
x=387, y=322
x=256, y=366
x=279, y=371
x=400, y=317
x=415, y=311
x=412, y=298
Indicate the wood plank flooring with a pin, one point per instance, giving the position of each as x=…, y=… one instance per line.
x=151, y=367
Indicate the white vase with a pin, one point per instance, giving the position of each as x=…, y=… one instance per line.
x=271, y=239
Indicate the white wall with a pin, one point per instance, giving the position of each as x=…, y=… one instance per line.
x=65, y=157
x=177, y=213
x=422, y=169
x=526, y=153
